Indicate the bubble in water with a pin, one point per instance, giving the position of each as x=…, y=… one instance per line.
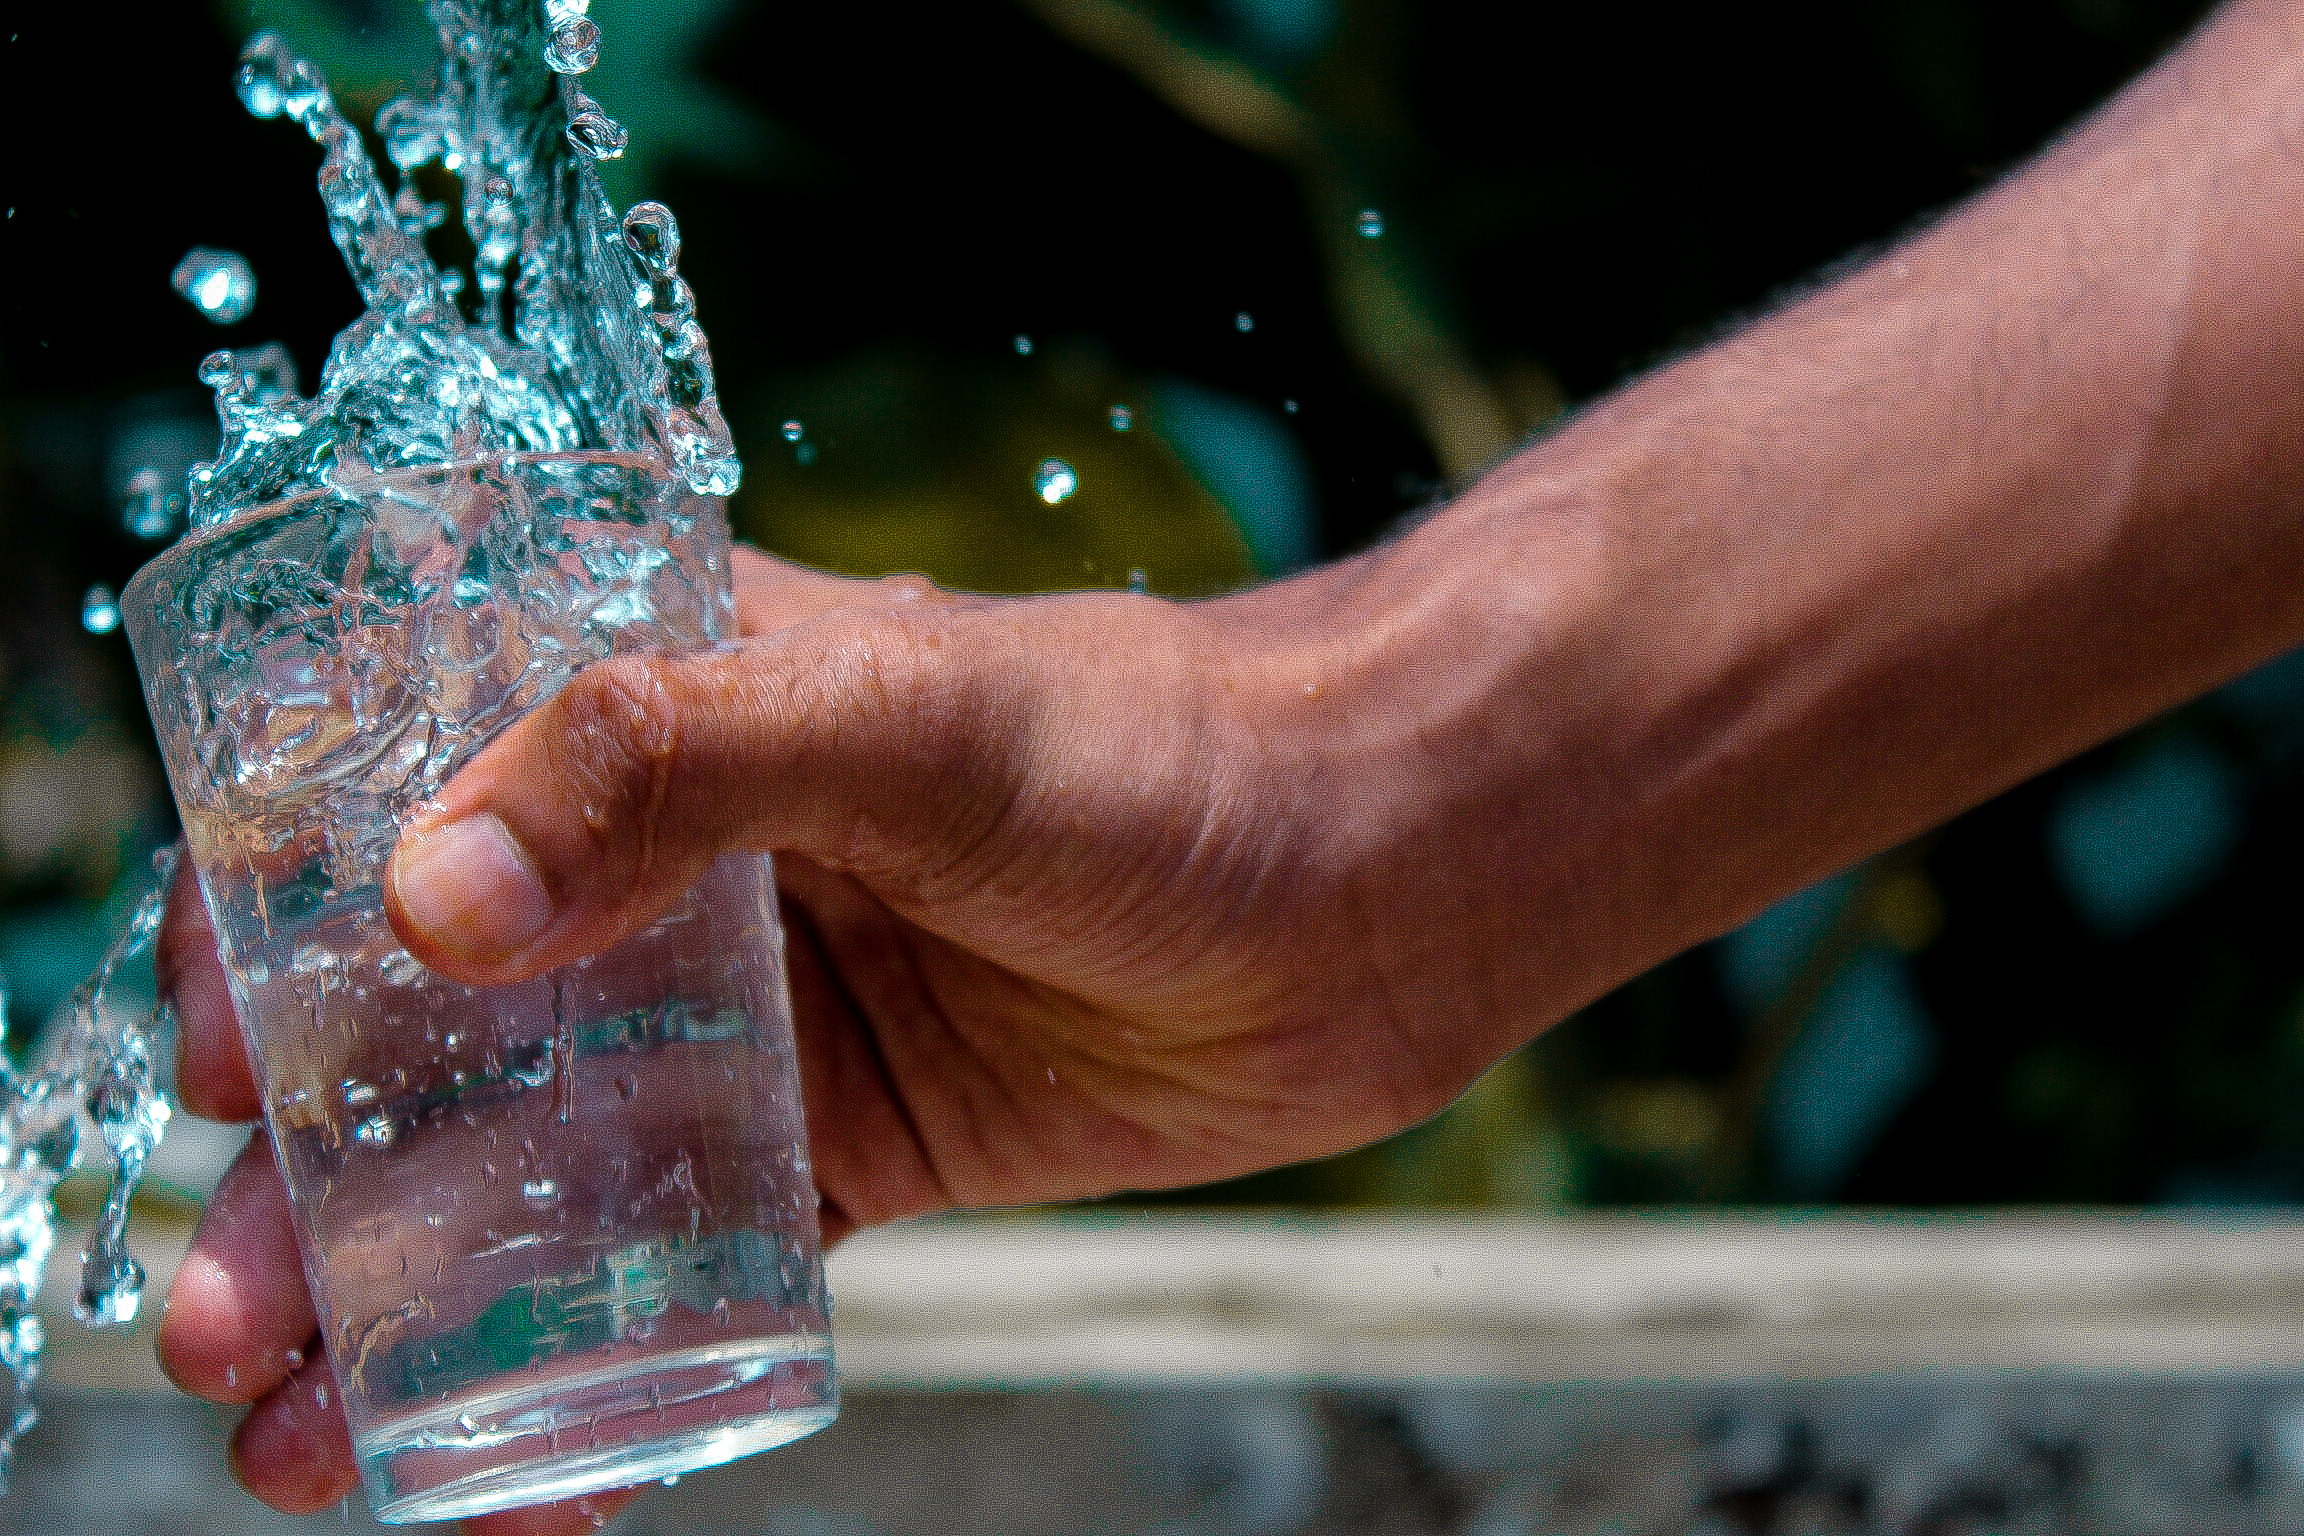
x=1056, y=481
x=575, y=45
x=1243, y=322
x=1122, y=418
x=1371, y=224
x=99, y=611
x=220, y=284
x=794, y=431
x=149, y=506
x=1023, y=345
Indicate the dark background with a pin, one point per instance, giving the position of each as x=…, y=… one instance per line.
x=2087, y=991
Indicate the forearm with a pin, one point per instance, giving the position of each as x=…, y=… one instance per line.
x=2021, y=483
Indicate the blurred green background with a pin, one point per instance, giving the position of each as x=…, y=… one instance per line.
x=1331, y=256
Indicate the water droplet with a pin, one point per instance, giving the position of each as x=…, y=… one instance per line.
x=99, y=611
x=794, y=431
x=1243, y=322
x=1023, y=345
x=149, y=506
x=627, y=1087
x=1290, y=406
x=654, y=236
x=220, y=284
x=1122, y=418
x=804, y=455
x=575, y=46
x=540, y=1191
x=294, y=1360
x=320, y=1393
x=672, y=1480
x=596, y=135
x=1139, y=580
x=1371, y=224
x=1055, y=481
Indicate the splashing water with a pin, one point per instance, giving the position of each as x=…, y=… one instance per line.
x=578, y=332
x=98, y=1065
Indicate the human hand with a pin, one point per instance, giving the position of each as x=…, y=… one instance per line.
x=1085, y=893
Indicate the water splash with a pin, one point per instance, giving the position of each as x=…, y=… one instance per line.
x=577, y=332
x=219, y=284
x=97, y=1066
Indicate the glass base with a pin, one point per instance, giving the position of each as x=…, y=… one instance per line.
x=634, y=1421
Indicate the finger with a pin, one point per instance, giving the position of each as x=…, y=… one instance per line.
x=238, y=1320
x=212, y=1075
x=292, y=1450
x=570, y=1517
x=885, y=740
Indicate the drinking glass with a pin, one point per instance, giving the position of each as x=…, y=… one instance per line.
x=561, y=1235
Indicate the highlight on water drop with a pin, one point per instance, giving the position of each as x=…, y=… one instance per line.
x=1123, y=418
x=219, y=284
x=1370, y=224
x=99, y=610
x=1055, y=481
x=794, y=431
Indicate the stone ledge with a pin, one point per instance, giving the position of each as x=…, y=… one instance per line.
x=1177, y=1299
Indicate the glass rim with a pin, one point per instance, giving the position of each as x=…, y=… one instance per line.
x=187, y=550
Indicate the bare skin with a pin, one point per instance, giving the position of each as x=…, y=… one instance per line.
x=1100, y=892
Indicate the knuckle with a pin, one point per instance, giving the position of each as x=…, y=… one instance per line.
x=909, y=587
x=618, y=746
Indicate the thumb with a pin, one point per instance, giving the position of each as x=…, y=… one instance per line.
x=876, y=740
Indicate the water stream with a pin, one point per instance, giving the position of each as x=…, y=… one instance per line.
x=572, y=331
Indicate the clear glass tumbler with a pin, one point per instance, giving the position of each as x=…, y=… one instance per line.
x=562, y=1235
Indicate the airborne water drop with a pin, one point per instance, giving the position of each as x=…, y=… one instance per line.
x=1371, y=224
x=99, y=611
x=1056, y=481
x=220, y=284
